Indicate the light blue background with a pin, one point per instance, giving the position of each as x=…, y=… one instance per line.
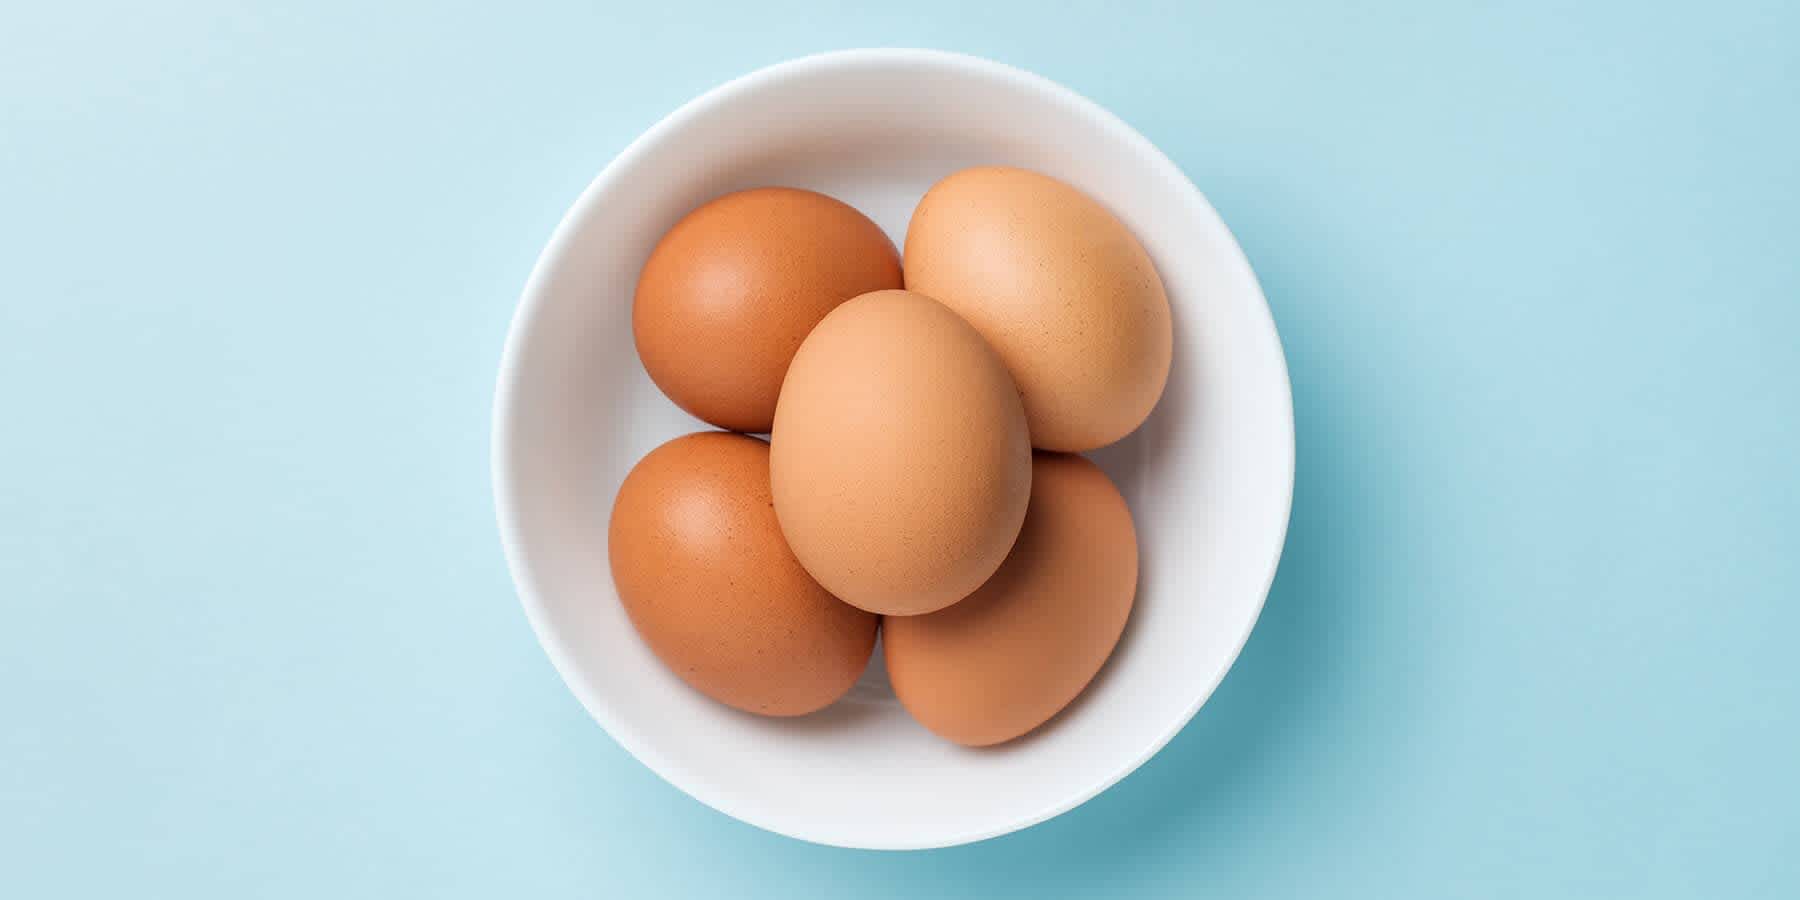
x=1538, y=275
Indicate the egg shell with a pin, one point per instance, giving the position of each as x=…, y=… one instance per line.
x=703, y=572
x=1008, y=658
x=732, y=289
x=900, y=460
x=1061, y=289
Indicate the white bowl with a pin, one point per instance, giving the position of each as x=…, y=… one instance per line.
x=1209, y=477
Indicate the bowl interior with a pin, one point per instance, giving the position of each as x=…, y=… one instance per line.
x=1209, y=477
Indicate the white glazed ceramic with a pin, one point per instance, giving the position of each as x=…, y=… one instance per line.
x=1209, y=477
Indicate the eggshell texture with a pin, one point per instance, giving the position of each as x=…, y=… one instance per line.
x=712, y=588
x=731, y=291
x=900, y=460
x=1005, y=660
x=1060, y=288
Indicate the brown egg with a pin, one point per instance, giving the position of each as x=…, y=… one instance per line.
x=1059, y=287
x=900, y=461
x=713, y=589
x=731, y=291
x=1013, y=654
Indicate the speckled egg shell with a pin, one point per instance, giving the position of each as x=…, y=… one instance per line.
x=1008, y=658
x=900, y=460
x=731, y=291
x=1061, y=289
x=712, y=588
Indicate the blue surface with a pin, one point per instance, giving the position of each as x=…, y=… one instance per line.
x=1537, y=274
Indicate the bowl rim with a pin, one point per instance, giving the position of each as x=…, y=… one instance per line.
x=532, y=298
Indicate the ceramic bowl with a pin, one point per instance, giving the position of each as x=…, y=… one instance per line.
x=1209, y=477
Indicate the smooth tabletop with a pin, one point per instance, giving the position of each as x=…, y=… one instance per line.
x=1536, y=267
